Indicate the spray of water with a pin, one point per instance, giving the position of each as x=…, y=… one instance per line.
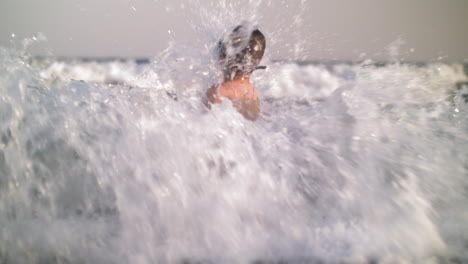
x=123, y=163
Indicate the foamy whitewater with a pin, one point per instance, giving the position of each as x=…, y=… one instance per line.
x=120, y=162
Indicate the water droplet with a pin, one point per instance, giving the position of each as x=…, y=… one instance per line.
x=13, y=35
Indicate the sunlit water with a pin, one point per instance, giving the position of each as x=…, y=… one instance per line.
x=119, y=162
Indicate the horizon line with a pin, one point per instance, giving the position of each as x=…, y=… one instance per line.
x=148, y=59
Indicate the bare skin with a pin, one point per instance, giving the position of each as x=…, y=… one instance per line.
x=242, y=94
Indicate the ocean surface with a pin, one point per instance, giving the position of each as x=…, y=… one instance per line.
x=118, y=161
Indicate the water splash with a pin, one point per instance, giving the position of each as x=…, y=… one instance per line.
x=348, y=163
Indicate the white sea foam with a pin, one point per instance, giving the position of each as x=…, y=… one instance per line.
x=119, y=162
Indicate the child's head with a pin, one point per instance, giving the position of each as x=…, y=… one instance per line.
x=242, y=51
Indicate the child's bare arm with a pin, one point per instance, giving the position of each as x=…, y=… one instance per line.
x=213, y=95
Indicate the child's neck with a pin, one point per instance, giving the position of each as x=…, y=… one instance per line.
x=239, y=77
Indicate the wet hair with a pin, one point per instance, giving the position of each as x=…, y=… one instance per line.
x=241, y=51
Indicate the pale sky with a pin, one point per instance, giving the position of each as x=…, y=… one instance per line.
x=424, y=30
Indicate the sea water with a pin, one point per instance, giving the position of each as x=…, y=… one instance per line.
x=120, y=162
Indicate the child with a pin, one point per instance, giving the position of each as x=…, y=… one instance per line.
x=239, y=56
